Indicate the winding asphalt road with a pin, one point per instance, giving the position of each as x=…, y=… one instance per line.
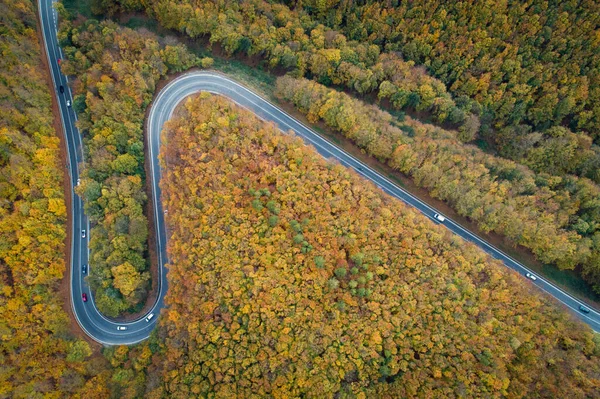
x=92, y=322
x=104, y=330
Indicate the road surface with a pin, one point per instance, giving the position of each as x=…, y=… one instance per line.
x=104, y=330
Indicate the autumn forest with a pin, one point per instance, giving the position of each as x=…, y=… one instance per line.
x=552, y=163
x=290, y=275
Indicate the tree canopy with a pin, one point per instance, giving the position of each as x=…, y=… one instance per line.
x=290, y=276
x=528, y=65
x=515, y=70
x=543, y=199
x=38, y=355
x=557, y=218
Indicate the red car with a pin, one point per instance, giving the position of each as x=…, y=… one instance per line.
x=58, y=60
x=84, y=297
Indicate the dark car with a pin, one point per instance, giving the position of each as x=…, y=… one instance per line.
x=584, y=309
x=84, y=269
x=58, y=61
x=84, y=297
x=61, y=89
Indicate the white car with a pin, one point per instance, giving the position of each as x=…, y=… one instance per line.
x=531, y=276
x=149, y=317
x=82, y=233
x=121, y=328
x=78, y=181
x=439, y=217
x=68, y=103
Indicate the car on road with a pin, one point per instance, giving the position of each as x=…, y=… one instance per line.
x=61, y=89
x=149, y=317
x=68, y=103
x=121, y=328
x=82, y=233
x=84, y=268
x=84, y=297
x=439, y=217
x=531, y=276
x=584, y=309
x=58, y=61
x=78, y=181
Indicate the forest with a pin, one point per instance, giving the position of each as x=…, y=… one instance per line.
x=529, y=92
x=292, y=277
x=557, y=218
x=531, y=66
x=115, y=72
x=306, y=48
x=38, y=354
x=542, y=201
